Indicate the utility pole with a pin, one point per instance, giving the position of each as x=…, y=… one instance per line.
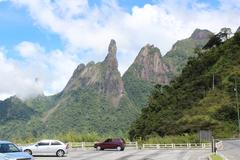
x=236, y=93
x=213, y=82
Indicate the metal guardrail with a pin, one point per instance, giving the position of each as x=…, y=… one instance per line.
x=178, y=146
x=87, y=145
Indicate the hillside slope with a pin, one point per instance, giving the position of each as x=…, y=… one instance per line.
x=178, y=56
x=195, y=100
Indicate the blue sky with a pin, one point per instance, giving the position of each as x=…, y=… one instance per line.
x=47, y=39
x=17, y=26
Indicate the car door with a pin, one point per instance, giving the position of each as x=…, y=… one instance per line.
x=107, y=144
x=55, y=146
x=42, y=148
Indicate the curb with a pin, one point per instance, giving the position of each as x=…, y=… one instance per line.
x=209, y=157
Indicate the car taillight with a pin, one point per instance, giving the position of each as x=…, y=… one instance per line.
x=67, y=146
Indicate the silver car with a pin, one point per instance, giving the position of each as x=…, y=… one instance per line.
x=47, y=147
x=9, y=151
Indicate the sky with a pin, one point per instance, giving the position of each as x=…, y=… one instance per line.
x=43, y=41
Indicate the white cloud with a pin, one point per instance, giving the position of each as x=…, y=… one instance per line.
x=86, y=31
x=15, y=81
x=28, y=49
x=85, y=27
x=52, y=69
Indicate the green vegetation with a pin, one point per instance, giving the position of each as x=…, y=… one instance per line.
x=156, y=139
x=178, y=56
x=138, y=90
x=191, y=102
x=216, y=157
x=68, y=137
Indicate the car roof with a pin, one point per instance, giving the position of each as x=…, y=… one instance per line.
x=1, y=142
x=48, y=140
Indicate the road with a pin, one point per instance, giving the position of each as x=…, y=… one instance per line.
x=231, y=149
x=132, y=154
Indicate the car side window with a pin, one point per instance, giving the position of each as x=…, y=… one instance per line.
x=43, y=143
x=55, y=143
x=108, y=140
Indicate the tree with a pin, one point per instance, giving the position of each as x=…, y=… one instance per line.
x=219, y=38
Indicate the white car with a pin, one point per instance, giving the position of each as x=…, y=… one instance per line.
x=9, y=151
x=47, y=147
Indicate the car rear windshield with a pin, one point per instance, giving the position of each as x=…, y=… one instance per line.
x=8, y=147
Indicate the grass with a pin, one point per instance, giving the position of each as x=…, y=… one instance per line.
x=216, y=157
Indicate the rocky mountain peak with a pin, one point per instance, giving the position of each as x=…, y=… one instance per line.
x=111, y=59
x=149, y=49
x=200, y=34
x=103, y=77
x=149, y=66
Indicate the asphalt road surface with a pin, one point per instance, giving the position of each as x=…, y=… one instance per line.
x=132, y=154
x=231, y=150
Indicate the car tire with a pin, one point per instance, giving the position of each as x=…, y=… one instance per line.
x=98, y=148
x=119, y=148
x=60, y=153
x=122, y=149
x=28, y=151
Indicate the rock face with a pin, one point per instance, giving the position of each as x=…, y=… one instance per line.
x=103, y=77
x=147, y=70
x=178, y=56
x=199, y=34
x=149, y=66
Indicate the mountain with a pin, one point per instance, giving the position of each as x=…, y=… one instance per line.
x=104, y=77
x=178, y=56
x=147, y=70
x=94, y=100
x=201, y=98
x=14, y=109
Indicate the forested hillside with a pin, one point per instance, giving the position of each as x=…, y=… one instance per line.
x=202, y=97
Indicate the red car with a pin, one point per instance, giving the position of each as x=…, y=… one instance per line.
x=115, y=143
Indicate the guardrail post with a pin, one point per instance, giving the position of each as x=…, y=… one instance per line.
x=82, y=145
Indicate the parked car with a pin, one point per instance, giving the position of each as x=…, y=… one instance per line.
x=115, y=143
x=9, y=151
x=47, y=147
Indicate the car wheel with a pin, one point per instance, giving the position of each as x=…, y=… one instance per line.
x=60, y=153
x=28, y=151
x=98, y=148
x=122, y=149
x=119, y=148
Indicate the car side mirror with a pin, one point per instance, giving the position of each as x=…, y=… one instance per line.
x=36, y=145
